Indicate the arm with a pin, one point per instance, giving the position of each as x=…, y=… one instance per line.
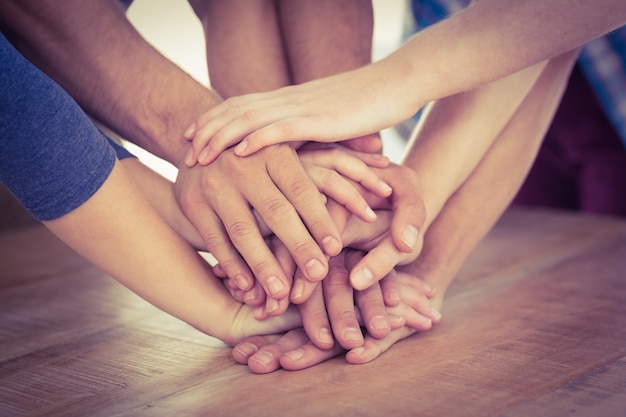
x=94, y=53
x=63, y=170
x=120, y=232
x=275, y=44
x=456, y=230
x=483, y=43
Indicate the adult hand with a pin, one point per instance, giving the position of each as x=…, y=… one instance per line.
x=340, y=107
x=295, y=350
x=217, y=200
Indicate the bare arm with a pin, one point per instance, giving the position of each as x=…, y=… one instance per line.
x=95, y=54
x=120, y=232
x=483, y=43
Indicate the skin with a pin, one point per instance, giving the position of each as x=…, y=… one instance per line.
x=152, y=109
x=181, y=283
x=454, y=233
x=511, y=34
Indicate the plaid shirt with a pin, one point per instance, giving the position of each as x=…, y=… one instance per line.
x=602, y=60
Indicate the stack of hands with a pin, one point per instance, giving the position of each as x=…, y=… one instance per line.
x=330, y=245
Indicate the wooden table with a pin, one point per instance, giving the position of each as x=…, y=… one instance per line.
x=535, y=325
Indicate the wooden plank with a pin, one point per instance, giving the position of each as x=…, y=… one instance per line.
x=601, y=392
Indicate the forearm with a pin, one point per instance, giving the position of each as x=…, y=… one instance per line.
x=120, y=232
x=473, y=209
x=457, y=131
x=326, y=37
x=160, y=194
x=244, y=46
x=93, y=51
x=494, y=38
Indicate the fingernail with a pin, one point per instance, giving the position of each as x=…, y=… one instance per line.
x=331, y=246
x=393, y=297
x=315, y=270
x=190, y=131
x=249, y=297
x=189, y=157
x=352, y=334
x=325, y=336
x=272, y=305
x=435, y=313
x=362, y=278
x=242, y=282
x=385, y=187
x=259, y=313
x=263, y=357
x=370, y=213
x=274, y=285
x=204, y=155
x=298, y=290
x=295, y=355
x=409, y=235
x=379, y=323
x=246, y=349
x=239, y=149
x=358, y=350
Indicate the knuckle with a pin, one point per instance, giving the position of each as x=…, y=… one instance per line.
x=276, y=209
x=302, y=249
x=283, y=129
x=301, y=189
x=251, y=115
x=240, y=231
x=214, y=241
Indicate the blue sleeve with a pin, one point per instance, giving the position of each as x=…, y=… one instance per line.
x=52, y=158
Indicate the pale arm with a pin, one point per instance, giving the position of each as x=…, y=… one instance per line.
x=483, y=43
x=120, y=232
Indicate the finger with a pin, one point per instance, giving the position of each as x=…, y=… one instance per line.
x=413, y=318
x=304, y=197
x=218, y=243
x=284, y=129
x=315, y=320
x=339, y=297
x=343, y=192
x=204, y=146
x=302, y=288
x=308, y=355
x=373, y=348
x=408, y=207
x=255, y=296
x=390, y=288
x=373, y=311
x=353, y=165
x=276, y=307
x=368, y=143
x=246, y=238
x=267, y=358
x=243, y=350
x=377, y=263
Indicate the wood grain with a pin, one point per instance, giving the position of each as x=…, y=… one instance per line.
x=535, y=325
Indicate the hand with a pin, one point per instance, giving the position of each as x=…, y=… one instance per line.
x=217, y=200
x=294, y=350
x=340, y=107
x=336, y=172
x=335, y=305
